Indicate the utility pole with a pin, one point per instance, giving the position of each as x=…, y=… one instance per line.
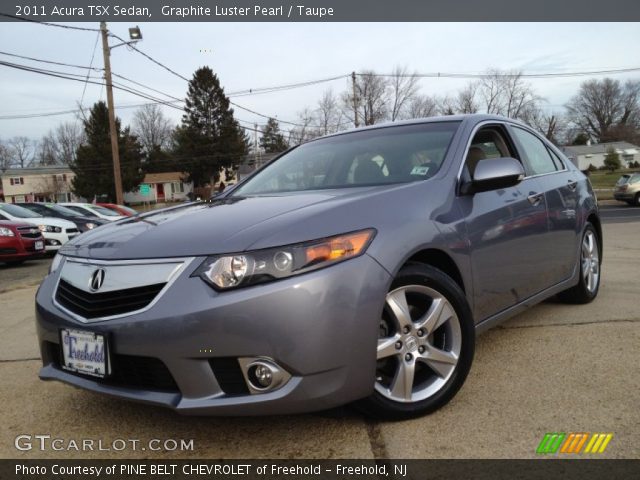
x=355, y=99
x=117, y=178
x=258, y=158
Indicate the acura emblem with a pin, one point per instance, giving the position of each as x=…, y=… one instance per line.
x=97, y=279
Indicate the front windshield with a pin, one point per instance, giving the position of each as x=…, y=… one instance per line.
x=64, y=210
x=105, y=211
x=18, y=212
x=380, y=156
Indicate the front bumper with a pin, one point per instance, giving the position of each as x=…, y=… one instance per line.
x=321, y=327
x=624, y=196
x=53, y=241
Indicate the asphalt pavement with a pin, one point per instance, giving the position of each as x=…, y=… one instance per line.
x=554, y=368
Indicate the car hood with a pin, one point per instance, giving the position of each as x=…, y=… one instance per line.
x=222, y=226
x=53, y=221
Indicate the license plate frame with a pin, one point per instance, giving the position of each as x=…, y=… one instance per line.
x=88, y=344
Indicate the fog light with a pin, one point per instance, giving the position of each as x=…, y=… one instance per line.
x=262, y=375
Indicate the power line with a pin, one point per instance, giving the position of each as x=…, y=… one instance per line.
x=48, y=24
x=84, y=88
x=69, y=76
x=24, y=57
x=502, y=74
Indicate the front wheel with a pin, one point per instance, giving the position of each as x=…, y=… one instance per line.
x=425, y=346
x=589, y=284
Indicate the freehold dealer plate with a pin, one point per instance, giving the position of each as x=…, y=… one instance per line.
x=84, y=352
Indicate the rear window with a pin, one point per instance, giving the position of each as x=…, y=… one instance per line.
x=623, y=179
x=380, y=156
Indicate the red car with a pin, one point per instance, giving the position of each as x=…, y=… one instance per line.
x=19, y=242
x=121, y=209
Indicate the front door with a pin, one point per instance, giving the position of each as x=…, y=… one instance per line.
x=506, y=228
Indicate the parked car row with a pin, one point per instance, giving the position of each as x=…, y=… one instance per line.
x=30, y=229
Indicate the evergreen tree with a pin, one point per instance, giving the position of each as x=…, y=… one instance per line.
x=93, y=166
x=272, y=141
x=209, y=140
x=612, y=160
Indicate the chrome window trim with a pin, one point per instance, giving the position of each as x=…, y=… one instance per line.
x=505, y=124
x=185, y=262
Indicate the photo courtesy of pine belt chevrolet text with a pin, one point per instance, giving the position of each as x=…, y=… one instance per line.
x=357, y=268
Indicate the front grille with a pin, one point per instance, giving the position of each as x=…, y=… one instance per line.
x=105, y=304
x=127, y=371
x=72, y=230
x=26, y=232
x=229, y=375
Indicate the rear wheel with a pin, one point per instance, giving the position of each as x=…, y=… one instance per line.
x=636, y=200
x=589, y=284
x=425, y=346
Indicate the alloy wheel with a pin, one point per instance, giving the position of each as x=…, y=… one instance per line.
x=419, y=344
x=590, y=261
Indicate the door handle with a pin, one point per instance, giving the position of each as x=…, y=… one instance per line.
x=572, y=184
x=535, y=199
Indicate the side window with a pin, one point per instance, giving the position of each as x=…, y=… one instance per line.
x=488, y=142
x=535, y=151
x=557, y=160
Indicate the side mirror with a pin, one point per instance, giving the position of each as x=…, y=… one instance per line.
x=494, y=174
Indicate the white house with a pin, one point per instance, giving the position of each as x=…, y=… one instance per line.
x=584, y=155
x=161, y=187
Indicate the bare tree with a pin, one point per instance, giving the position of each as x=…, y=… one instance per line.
x=466, y=101
x=447, y=105
x=48, y=152
x=371, y=98
x=151, y=127
x=328, y=115
x=22, y=150
x=606, y=109
x=421, y=106
x=404, y=87
x=552, y=125
x=5, y=157
x=305, y=130
x=69, y=136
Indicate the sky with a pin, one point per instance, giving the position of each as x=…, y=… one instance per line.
x=255, y=55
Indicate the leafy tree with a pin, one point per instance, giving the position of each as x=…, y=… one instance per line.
x=272, y=141
x=93, y=166
x=612, y=160
x=209, y=140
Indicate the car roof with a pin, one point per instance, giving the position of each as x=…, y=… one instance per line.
x=473, y=118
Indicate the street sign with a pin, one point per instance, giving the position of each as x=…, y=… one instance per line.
x=145, y=188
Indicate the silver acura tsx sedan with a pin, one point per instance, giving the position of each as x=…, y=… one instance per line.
x=358, y=267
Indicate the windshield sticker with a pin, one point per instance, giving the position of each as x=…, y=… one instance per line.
x=420, y=170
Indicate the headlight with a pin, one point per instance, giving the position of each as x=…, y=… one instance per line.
x=5, y=232
x=248, y=268
x=90, y=226
x=49, y=228
x=55, y=263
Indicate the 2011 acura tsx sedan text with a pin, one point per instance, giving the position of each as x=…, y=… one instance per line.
x=357, y=267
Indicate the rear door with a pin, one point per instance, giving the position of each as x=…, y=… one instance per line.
x=560, y=189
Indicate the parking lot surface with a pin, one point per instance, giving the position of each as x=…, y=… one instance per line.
x=555, y=368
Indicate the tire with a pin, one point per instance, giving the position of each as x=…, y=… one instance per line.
x=589, y=284
x=433, y=345
x=636, y=200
